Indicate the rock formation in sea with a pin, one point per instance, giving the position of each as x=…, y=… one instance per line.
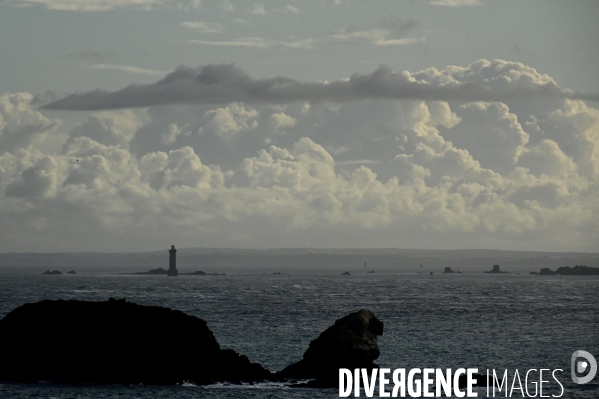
x=496, y=270
x=115, y=342
x=52, y=272
x=448, y=270
x=159, y=271
x=119, y=342
x=346, y=273
x=350, y=343
x=71, y=272
x=201, y=273
x=570, y=271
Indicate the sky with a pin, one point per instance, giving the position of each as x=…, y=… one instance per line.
x=131, y=125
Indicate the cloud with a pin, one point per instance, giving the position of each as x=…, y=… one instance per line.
x=255, y=42
x=20, y=124
x=482, y=80
x=278, y=122
x=258, y=9
x=368, y=173
x=108, y=5
x=203, y=27
x=377, y=37
x=128, y=69
x=229, y=121
x=456, y=3
x=389, y=32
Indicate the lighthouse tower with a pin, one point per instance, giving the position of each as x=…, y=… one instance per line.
x=172, y=262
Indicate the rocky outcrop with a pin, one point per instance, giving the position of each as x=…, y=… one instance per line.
x=71, y=272
x=159, y=271
x=350, y=343
x=495, y=270
x=570, y=271
x=52, y=272
x=346, y=273
x=201, y=273
x=118, y=342
x=448, y=270
x=115, y=342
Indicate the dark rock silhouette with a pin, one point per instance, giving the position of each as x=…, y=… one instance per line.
x=52, y=272
x=449, y=270
x=371, y=271
x=570, y=271
x=201, y=273
x=350, y=343
x=71, y=272
x=159, y=271
x=495, y=270
x=115, y=342
x=346, y=274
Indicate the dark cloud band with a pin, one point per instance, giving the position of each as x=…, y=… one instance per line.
x=219, y=84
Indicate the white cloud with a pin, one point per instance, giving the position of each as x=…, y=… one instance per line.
x=20, y=124
x=456, y=3
x=256, y=42
x=203, y=27
x=363, y=173
x=278, y=122
x=128, y=69
x=377, y=37
x=229, y=121
x=107, y=5
x=258, y=9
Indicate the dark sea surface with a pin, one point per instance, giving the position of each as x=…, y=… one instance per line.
x=440, y=321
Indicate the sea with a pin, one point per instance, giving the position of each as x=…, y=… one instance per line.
x=468, y=320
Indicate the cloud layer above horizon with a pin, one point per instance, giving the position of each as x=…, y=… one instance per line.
x=490, y=155
x=483, y=80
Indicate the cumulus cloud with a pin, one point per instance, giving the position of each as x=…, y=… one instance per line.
x=107, y=5
x=220, y=84
x=20, y=124
x=369, y=173
x=229, y=121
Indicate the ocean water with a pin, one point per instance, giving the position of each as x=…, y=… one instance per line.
x=462, y=320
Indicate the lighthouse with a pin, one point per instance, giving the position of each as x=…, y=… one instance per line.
x=172, y=262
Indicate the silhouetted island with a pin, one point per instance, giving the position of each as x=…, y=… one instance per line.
x=569, y=271
x=371, y=271
x=118, y=342
x=346, y=273
x=495, y=270
x=159, y=271
x=350, y=343
x=52, y=272
x=71, y=272
x=201, y=273
x=448, y=270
